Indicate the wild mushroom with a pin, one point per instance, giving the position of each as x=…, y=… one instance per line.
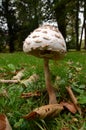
x=46, y=42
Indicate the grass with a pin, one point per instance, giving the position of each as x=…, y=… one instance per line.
x=72, y=72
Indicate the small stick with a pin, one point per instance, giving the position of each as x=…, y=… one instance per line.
x=73, y=98
x=8, y=81
x=30, y=94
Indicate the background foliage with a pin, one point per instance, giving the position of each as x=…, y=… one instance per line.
x=19, y=18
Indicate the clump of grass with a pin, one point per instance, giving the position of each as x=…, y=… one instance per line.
x=72, y=72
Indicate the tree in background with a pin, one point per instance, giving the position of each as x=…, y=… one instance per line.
x=69, y=21
x=77, y=25
x=60, y=13
x=8, y=12
x=85, y=23
x=80, y=8
x=22, y=17
x=28, y=14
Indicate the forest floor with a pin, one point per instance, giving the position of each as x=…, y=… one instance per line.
x=70, y=71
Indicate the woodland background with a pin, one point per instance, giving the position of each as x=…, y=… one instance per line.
x=19, y=18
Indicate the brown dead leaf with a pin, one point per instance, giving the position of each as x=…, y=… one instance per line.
x=33, y=78
x=4, y=123
x=70, y=106
x=65, y=128
x=42, y=112
x=74, y=99
x=19, y=75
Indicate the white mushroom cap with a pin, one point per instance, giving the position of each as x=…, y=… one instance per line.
x=45, y=42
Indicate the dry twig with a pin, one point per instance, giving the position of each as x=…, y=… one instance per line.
x=30, y=94
x=8, y=81
x=74, y=99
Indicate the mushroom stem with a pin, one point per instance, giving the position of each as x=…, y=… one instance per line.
x=50, y=90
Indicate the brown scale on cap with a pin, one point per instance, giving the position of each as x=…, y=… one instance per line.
x=50, y=27
x=35, y=36
x=62, y=44
x=46, y=38
x=44, y=31
x=37, y=41
x=57, y=36
x=37, y=30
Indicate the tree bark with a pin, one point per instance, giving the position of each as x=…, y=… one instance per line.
x=85, y=23
x=81, y=34
x=9, y=17
x=61, y=18
x=77, y=26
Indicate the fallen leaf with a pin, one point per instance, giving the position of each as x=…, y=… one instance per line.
x=65, y=128
x=70, y=106
x=74, y=99
x=42, y=112
x=19, y=75
x=33, y=78
x=4, y=123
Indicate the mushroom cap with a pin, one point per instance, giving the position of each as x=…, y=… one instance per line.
x=45, y=42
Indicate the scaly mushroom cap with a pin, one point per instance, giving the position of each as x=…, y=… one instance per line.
x=45, y=42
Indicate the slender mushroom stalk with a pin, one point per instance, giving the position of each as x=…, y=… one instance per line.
x=50, y=90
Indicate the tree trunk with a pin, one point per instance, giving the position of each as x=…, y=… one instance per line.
x=9, y=19
x=85, y=23
x=77, y=26
x=11, y=43
x=85, y=38
x=61, y=18
x=81, y=34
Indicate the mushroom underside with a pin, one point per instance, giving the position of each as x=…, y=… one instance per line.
x=54, y=55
